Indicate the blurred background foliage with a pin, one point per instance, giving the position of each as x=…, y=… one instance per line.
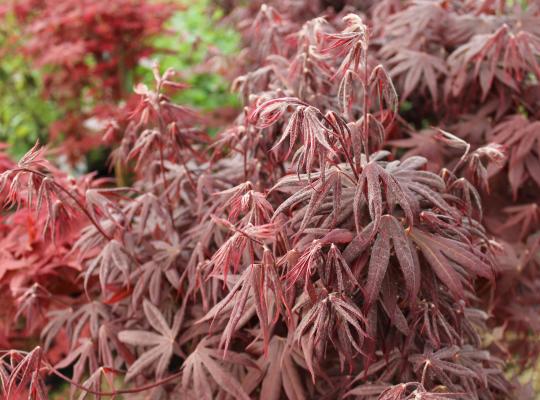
x=24, y=113
x=192, y=43
x=193, y=35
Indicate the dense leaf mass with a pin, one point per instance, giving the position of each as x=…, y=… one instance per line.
x=367, y=227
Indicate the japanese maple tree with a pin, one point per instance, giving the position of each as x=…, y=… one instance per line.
x=367, y=227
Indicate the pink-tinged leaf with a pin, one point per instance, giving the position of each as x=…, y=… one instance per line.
x=380, y=78
x=111, y=260
x=164, y=344
x=140, y=338
x=359, y=243
x=228, y=383
x=202, y=368
x=292, y=381
x=337, y=272
x=267, y=113
x=374, y=180
x=404, y=252
x=440, y=265
x=144, y=361
x=319, y=322
x=338, y=236
x=156, y=319
x=272, y=382
x=378, y=263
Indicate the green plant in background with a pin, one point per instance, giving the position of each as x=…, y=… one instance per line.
x=24, y=114
x=193, y=32
x=522, y=3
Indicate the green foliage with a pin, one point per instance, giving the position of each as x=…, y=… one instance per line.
x=24, y=114
x=192, y=33
x=522, y=3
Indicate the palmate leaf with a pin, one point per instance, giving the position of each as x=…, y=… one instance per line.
x=148, y=281
x=477, y=164
x=415, y=65
x=316, y=193
x=243, y=200
x=91, y=315
x=333, y=318
x=96, y=382
x=83, y=358
x=167, y=252
x=438, y=324
x=309, y=261
x=307, y=123
x=522, y=139
x=417, y=17
x=336, y=272
x=99, y=205
x=204, y=369
x=234, y=249
x=415, y=391
x=20, y=375
x=147, y=213
x=525, y=215
x=269, y=112
x=37, y=185
x=163, y=342
x=111, y=262
x=443, y=365
x=449, y=259
x=309, y=71
x=109, y=345
x=352, y=41
x=469, y=196
x=421, y=186
x=281, y=372
x=385, y=89
x=253, y=287
x=145, y=143
x=371, y=184
x=391, y=230
x=505, y=56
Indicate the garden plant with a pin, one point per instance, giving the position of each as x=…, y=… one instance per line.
x=361, y=221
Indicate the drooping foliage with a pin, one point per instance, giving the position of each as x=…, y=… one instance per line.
x=367, y=227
